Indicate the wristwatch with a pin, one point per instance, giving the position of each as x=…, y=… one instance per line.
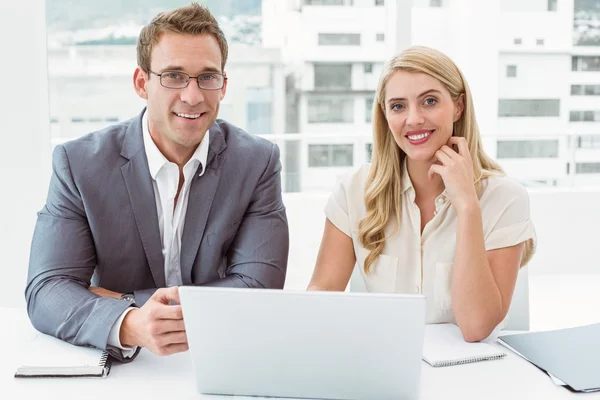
x=128, y=297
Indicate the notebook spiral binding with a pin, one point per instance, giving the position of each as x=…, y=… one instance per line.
x=468, y=360
x=106, y=362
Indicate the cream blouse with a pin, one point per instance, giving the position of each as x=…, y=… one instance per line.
x=412, y=262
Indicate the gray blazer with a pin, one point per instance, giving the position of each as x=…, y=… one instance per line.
x=100, y=225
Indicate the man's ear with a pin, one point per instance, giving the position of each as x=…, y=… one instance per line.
x=459, y=107
x=140, y=78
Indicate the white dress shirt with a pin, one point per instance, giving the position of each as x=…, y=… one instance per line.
x=415, y=262
x=171, y=216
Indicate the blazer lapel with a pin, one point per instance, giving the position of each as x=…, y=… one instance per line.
x=202, y=193
x=141, y=195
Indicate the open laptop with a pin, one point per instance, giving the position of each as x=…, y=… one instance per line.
x=320, y=345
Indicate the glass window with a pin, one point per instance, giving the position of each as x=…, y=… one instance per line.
x=585, y=63
x=435, y=3
x=369, y=151
x=529, y=107
x=587, y=115
x=527, y=149
x=339, y=39
x=379, y=2
x=511, y=71
x=591, y=90
x=258, y=110
x=330, y=155
x=380, y=37
x=368, y=68
x=539, y=42
x=588, y=141
x=324, y=2
x=331, y=110
x=552, y=5
x=587, y=168
x=576, y=90
x=369, y=109
x=333, y=76
x=517, y=41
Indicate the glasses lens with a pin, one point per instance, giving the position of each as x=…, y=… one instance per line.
x=210, y=81
x=174, y=80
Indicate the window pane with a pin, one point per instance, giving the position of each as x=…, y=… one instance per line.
x=339, y=39
x=333, y=76
x=527, y=149
x=258, y=111
x=588, y=115
x=318, y=155
x=586, y=63
x=529, y=108
x=576, y=90
x=324, y=2
x=343, y=155
x=587, y=168
x=511, y=71
x=330, y=155
x=369, y=151
x=331, y=109
x=588, y=142
x=552, y=5
x=369, y=109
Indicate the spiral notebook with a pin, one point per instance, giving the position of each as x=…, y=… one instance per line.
x=445, y=346
x=49, y=357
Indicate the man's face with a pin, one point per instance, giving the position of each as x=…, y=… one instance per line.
x=179, y=118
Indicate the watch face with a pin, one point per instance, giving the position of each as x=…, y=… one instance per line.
x=128, y=297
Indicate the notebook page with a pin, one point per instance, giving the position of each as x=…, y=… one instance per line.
x=444, y=345
x=48, y=356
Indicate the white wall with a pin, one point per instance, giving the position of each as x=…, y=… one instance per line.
x=25, y=150
x=565, y=223
x=340, y=19
x=556, y=28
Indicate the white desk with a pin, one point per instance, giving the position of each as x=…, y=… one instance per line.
x=171, y=377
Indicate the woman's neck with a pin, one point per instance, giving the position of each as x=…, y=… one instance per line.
x=424, y=187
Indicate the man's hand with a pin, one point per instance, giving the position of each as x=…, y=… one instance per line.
x=104, y=292
x=157, y=325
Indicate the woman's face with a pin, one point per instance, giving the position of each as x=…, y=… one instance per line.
x=420, y=113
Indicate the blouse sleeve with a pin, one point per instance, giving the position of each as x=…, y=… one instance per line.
x=336, y=209
x=512, y=220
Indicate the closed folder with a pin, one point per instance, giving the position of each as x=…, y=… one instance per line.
x=571, y=355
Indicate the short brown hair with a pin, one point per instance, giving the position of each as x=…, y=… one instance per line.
x=190, y=20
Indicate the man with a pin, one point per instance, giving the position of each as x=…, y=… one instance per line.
x=172, y=197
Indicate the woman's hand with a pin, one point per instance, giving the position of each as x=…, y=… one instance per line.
x=456, y=170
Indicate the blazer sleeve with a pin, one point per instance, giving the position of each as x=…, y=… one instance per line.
x=61, y=265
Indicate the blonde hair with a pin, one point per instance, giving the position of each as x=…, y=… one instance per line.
x=192, y=19
x=382, y=187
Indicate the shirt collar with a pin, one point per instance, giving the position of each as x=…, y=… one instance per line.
x=156, y=160
x=406, y=182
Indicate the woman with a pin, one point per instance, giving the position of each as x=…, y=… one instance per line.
x=432, y=214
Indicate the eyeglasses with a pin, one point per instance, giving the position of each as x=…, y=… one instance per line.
x=180, y=80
